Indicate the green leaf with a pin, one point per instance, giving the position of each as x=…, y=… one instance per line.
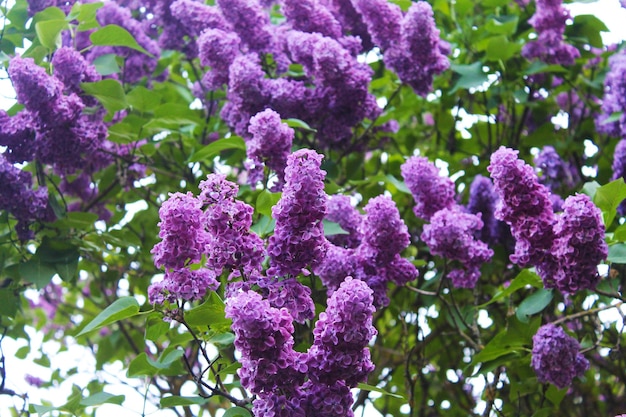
x=524, y=278
x=533, y=304
x=617, y=253
x=114, y=35
x=121, y=309
x=300, y=124
x=265, y=201
x=556, y=395
x=102, y=398
x=156, y=327
x=236, y=412
x=109, y=92
x=41, y=410
x=400, y=185
x=614, y=117
x=210, y=313
x=107, y=64
x=208, y=152
x=471, y=76
x=9, y=302
x=500, y=48
x=36, y=271
x=590, y=189
x=175, y=400
x=608, y=197
x=502, y=25
x=142, y=99
x=49, y=32
x=372, y=388
x=167, y=364
x=222, y=339
x=332, y=228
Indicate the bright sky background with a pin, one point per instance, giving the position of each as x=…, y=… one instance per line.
x=609, y=11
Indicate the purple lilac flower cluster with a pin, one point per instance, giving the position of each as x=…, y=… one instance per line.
x=337, y=361
x=483, y=200
x=567, y=248
x=269, y=147
x=450, y=235
x=376, y=260
x=549, y=21
x=614, y=100
x=525, y=205
x=555, y=356
x=431, y=191
x=619, y=168
x=342, y=212
x=555, y=172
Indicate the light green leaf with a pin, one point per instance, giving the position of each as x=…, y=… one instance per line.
x=502, y=25
x=121, y=309
x=617, y=253
x=372, y=388
x=500, y=48
x=236, y=412
x=608, y=197
x=102, y=398
x=332, y=228
x=210, y=313
x=142, y=99
x=107, y=64
x=166, y=365
x=175, y=400
x=300, y=124
x=41, y=410
x=109, y=92
x=49, y=32
x=208, y=152
x=471, y=76
x=114, y=35
x=265, y=201
x=524, y=278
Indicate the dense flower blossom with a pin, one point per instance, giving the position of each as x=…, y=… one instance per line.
x=555, y=173
x=333, y=400
x=431, y=191
x=250, y=22
x=35, y=89
x=338, y=263
x=549, y=21
x=292, y=295
x=278, y=405
x=18, y=197
x=269, y=147
x=450, y=235
x=183, y=284
x=182, y=232
x=614, y=100
x=619, y=169
x=525, y=205
x=419, y=54
x=263, y=336
x=71, y=68
x=383, y=20
x=217, y=49
x=311, y=16
x=578, y=248
x=341, y=336
x=555, y=356
x=383, y=229
x=342, y=212
x=483, y=200
x=18, y=134
x=298, y=239
x=351, y=21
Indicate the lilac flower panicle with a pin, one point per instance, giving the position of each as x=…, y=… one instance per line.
x=196, y=16
x=293, y=296
x=383, y=20
x=217, y=49
x=269, y=146
x=18, y=134
x=450, y=235
x=525, y=205
x=578, y=248
x=249, y=21
x=278, y=405
x=298, y=239
x=216, y=189
x=619, y=169
x=431, y=191
x=483, y=200
x=263, y=335
x=614, y=100
x=332, y=400
x=182, y=233
x=338, y=263
x=311, y=16
x=71, y=68
x=555, y=356
x=384, y=229
x=556, y=173
x=341, y=336
x=183, y=284
x=35, y=89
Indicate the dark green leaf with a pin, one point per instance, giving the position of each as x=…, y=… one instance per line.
x=121, y=309
x=175, y=400
x=210, y=313
x=210, y=151
x=142, y=99
x=471, y=76
x=236, y=412
x=9, y=302
x=502, y=25
x=524, y=278
x=533, y=304
x=38, y=272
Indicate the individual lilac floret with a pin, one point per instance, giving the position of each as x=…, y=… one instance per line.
x=263, y=336
x=311, y=16
x=182, y=232
x=555, y=173
x=269, y=147
x=383, y=229
x=217, y=49
x=383, y=20
x=419, y=54
x=525, y=205
x=431, y=191
x=619, y=169
x=549, y=21
x=342, y=212
x=341, y=336
x=450, y=235
x=298, y=239
x=483, y=199
x=578, y=248
x=183, y=284
x=556, y=358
